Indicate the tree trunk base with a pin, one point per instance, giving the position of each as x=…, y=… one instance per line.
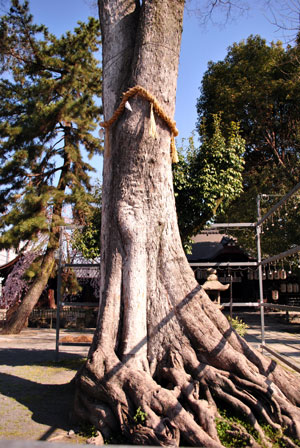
x=164, y=359
x=181, y=402
x=14, y=323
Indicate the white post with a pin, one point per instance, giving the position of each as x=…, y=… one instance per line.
x=260, y=278
x=1, y=280
x=58, y=296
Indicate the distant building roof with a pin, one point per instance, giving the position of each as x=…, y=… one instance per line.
x=216, y=247
x=5, y=269
x=6, y=255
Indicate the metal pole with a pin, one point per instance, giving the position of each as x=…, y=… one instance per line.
x=58, y=296
x=279, y=204
x=287, y=253
x=229, y=225
x=230, y=309
x=260, y=279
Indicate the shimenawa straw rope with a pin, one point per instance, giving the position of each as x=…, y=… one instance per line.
x=155, y=106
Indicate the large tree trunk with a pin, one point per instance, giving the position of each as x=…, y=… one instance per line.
x=161, y=345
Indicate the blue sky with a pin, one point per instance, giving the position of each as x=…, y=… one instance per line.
x=200, y=44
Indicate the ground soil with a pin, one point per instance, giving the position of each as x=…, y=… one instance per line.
x=36, y=394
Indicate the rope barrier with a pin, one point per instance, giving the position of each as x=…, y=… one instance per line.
x=155, y=106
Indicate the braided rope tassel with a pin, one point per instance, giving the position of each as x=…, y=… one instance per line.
x=155, y=106
x=152, y=130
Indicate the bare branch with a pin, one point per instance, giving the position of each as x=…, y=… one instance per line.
x=286, y=17
x=218, y=12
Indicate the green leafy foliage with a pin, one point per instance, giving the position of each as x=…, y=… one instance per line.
x=226, y=437
x=226, y=428
x=49, y=90
x=86, y=240
x=230, y=438
x=276, y=437
x=257, y=86
x=207, y=178
x=239, y=326
x=87, y=430
x=140, y=416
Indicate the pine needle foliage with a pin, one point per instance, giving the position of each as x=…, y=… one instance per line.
x=50, y=92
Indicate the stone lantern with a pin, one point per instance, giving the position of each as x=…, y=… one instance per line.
x=213, y=286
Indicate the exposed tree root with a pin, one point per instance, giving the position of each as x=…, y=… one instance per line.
x=181, y=404
x=197, y=369
x=164, y=359
x=179, y=400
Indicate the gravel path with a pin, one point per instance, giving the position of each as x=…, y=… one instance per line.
x=35, y=392
x=281, y=337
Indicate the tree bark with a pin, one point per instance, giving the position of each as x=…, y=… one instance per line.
x=18, y=319
x=161, y=345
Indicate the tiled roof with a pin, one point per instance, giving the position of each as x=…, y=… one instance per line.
x=213, y=246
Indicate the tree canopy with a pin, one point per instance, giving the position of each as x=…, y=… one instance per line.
x=48, y=113
x=207, y=178
x=257, y=86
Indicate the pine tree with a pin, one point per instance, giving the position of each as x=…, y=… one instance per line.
x=49, y=110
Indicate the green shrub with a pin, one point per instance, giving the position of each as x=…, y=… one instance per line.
x=88, y=430
x=225, y=427
x=140, y=416
x=239, y=326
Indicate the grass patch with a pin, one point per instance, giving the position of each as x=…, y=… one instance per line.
x=67, y=364
x=225, y=426
x=44, y=371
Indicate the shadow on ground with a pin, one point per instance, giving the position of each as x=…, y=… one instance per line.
x=36, y=393
x=50, y=404
x=25, y=357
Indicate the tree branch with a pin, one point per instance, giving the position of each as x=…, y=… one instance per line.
x=48, y=173
x=206, y=11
